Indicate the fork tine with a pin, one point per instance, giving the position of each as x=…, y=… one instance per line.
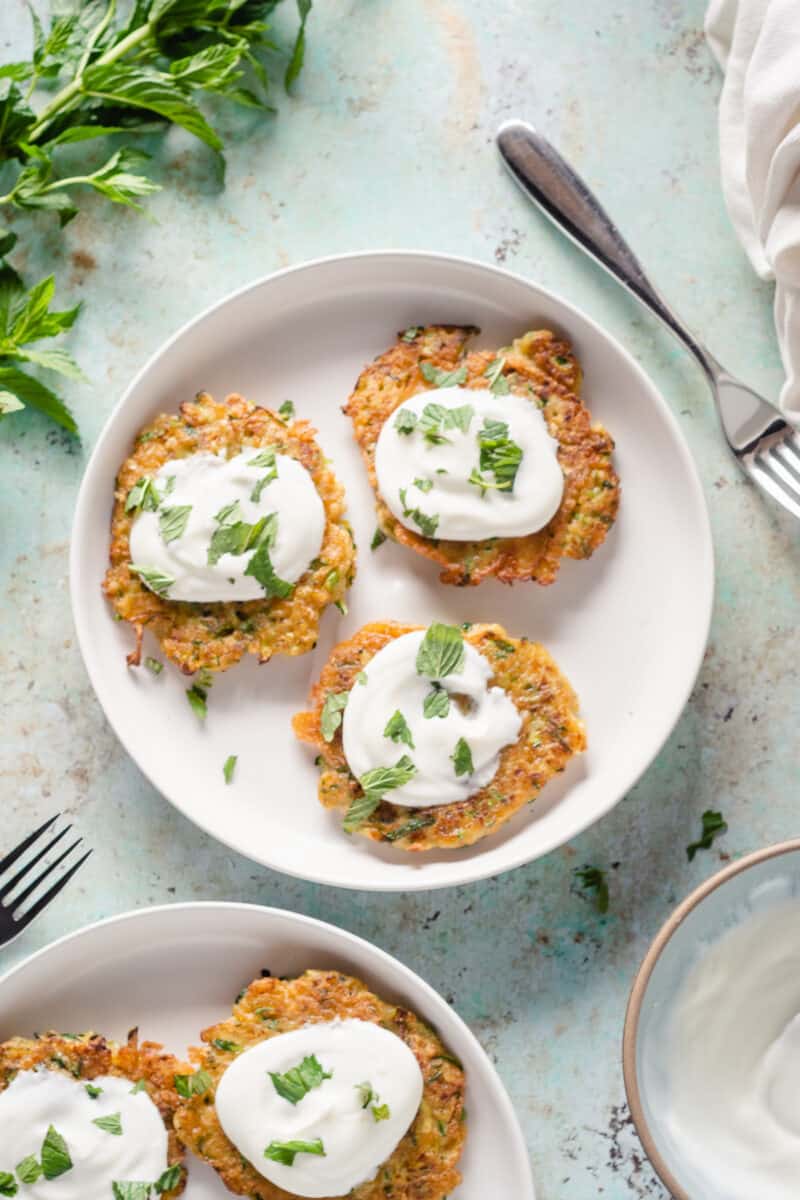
x=789, y=476
x=20, y=875
x=50, y=894
x=765, y=475
x=789, y=454
x=15, y=903
x=14, y=854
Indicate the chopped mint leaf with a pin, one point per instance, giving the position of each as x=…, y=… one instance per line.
x=286, y=1152
x=172, y=521
x=497, y=380
x=131, y=1191
x=499, y=454
x=192, y=1085
x=261, y=568
x=139, y=1086
x=375, y=784
x=714, y=825
x=442, y=379
x=460, y=418
x=92, y=1091
x=153, y=665
x=592, y=879
x=198, y=700
x=406, y=421
x=296, y=1083
x=55, y=1155
x=8, y=1184
x=286, y=410
x=331, y=579
x=29, y=1170
x=237, y=537
x=229, y=767
x=225, y=1046
x=342, y=607
x=462, y=758
x=441, y=652
x=265, y=459
x=110, y=1124
x=411, y=333
x=331, y=716
x=169, y=1179
x=370, y=1099
x=397, y=729
x=229, y=514
x=378, y=538
x=426, y=524
x=436, y=703
x=152, y=578
x=423, y=485
x=143, y=496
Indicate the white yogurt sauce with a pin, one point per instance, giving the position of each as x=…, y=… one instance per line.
x=254, y=1115
x=209, y=483
x=463, y=511
x=734, y=1060
x=35, y=1100
x=485, y=717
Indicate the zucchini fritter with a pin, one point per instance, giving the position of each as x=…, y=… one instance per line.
x=90, y=1056
x=214, y=636
x=551, y=733
x=423, y=1166
x=541, y=367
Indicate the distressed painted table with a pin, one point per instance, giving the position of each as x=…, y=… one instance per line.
x=388, y=142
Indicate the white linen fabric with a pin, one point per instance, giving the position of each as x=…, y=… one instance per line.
x=757, y=44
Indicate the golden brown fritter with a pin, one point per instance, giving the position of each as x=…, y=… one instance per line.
x=89, y=1056
x=423, y=1166
x=551, y=733
x=215, y=636
x=541, y=367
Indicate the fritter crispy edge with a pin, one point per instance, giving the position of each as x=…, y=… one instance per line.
x=551, y=733
x=89, y=1056
x=422, y=1167
x=541, y=367
x=215, y=636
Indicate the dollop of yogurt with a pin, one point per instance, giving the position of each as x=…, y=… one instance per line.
x=197, y=497
x=40, y=1099
x=733, y=1096
x=362, y=1099
x=435, y=472
x=394, y=710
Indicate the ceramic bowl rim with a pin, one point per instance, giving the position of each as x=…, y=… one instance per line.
x=638, y=992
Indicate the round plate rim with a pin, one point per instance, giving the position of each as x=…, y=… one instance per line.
x=444, y=1010
x=472, y=871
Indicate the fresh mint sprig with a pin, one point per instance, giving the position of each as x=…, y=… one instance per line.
x=100, y=70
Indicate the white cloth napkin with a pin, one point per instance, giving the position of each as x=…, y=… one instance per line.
x=757, y=44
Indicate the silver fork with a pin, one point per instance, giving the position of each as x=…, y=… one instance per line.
x=14, y=917
x=766, y=446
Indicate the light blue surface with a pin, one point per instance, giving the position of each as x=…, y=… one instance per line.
x=388, y=142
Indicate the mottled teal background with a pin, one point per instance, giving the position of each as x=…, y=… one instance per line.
x=388, y=142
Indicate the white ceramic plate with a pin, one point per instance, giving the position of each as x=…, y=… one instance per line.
x=175, y=970
x=628, y=627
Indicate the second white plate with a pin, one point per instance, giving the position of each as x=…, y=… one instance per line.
x=628, y=627
x=175, y=970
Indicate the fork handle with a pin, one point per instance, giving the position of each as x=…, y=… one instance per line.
x=548, y=179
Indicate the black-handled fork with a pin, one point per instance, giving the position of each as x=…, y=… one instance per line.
x=15, y=912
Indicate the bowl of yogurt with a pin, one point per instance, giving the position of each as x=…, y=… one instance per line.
x=711, y=1049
